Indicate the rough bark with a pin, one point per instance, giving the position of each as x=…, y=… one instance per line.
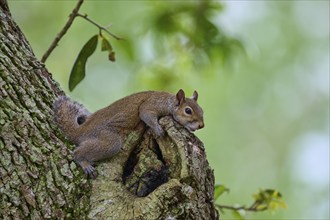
x=38, y=179
x=167, y=178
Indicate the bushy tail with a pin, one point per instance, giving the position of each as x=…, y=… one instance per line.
x=69, y=115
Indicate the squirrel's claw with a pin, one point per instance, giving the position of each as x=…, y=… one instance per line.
x=88, y=169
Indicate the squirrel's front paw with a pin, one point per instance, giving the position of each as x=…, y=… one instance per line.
x=88, y=169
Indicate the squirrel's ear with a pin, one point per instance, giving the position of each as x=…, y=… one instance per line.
x=195, y=96
x=180, y=96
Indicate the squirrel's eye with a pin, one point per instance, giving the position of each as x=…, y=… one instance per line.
x=188, y=111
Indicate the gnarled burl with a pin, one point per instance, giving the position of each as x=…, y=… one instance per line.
x=165, y=178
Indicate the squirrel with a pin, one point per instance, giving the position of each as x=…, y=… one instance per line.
x=100, y=135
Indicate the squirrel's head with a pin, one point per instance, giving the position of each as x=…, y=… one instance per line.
x=187, y=112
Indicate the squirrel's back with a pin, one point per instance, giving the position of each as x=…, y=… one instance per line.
x=69, y=115
x=123, y=113
x=122, y=116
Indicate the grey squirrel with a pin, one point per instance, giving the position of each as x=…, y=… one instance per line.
x=100, y=135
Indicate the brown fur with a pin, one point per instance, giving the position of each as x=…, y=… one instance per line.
x=100, y=135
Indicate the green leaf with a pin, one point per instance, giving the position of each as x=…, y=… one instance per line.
x=219, y=190
x=106, y=46
x=268, y=199
x=79, y=66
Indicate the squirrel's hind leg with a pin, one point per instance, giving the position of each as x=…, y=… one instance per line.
x=105, y=146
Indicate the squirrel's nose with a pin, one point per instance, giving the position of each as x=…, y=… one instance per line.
x=201, y=125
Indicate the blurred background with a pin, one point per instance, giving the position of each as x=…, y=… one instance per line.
x=261, y=69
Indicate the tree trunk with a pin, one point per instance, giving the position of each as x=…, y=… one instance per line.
x=167, y=178
x=38, y=179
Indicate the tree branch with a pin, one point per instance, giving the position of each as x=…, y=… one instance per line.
x=250, y=209
x=99, y=26
x=72, y=16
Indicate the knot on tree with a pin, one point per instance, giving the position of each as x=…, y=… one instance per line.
x=163, y=178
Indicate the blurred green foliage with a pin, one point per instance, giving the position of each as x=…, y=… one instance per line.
x=190, y=23
x=261, y=69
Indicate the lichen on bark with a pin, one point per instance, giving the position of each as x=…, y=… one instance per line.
x=168, y=177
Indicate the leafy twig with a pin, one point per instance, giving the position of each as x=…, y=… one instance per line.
x=73, y=15
x=99, y=26
x=249, y=209
x=268, y=199
x=58, y=37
